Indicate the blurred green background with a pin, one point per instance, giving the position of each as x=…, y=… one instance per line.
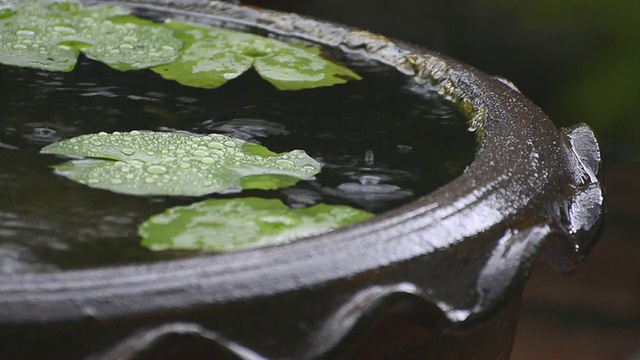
x=580, y=62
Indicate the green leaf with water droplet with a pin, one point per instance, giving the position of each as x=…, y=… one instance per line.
x=159, y=163
x=29, y=38
x=49, y=35
x=212, y=56
x=128, y=42
x=237, y=224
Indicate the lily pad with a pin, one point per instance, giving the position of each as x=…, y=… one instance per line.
x=159, y=163
x=237, y=224
x=213, y=56
x=49, y=35
x=128, y=42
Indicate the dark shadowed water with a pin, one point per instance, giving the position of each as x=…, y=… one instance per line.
x=381, y=146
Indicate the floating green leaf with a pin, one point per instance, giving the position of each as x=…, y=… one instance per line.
x=212, y=56
x=158, y=163
x=49, y=35
x=128, y=42
x=236, y=224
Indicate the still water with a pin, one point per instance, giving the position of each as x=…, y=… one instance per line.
x=381, y=145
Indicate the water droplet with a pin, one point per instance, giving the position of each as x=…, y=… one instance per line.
x=215, y=145
x=369, y=157
x=102, y=133
x=136, y=163
x=309, y=168
x=207, y=160
x=180, y=151
x=65, y=30
x=149, y=180
x=134, y=132
x=19, y=47
x=185, y=165
x=44, y=133
x=207, y=183
x=130, y=38
x=126, y=46
x=167, y=48
x=116, y=181
x=405, y=148
x=156, y=169
x=369, y=180
x=150, y=153
x=25, y=33
x=93, y=181
x=284, y=162
x=128, y=151
x=199, y=152
x=229, y=143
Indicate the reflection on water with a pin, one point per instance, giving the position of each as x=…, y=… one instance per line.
x=381, y=145
x=246, y=129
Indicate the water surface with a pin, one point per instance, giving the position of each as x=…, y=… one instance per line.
x=381, y=145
